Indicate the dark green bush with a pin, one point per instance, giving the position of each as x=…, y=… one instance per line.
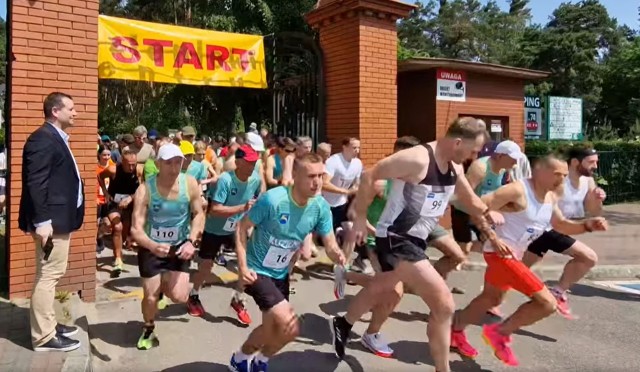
x=619, y=168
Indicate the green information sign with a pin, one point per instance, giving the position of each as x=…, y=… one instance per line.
x=564, y=118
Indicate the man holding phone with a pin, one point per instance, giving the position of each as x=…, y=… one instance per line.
x=168, y=220
x=51, y=208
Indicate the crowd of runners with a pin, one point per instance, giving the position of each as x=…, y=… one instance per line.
x=271, y=201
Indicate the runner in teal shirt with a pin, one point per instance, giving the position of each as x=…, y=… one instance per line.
x=228, y=201
x=230, y=191
x=281, y=218
x=281, y=226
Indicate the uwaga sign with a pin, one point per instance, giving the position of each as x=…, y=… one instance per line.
x=451, y=85
x=134, y=50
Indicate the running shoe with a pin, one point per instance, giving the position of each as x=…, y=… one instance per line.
x=244, y=366
x=563, y=305
x=258, y=366
x=461, y=345
x=377, y=345
x=221, y=260
x=500, y=344
x=148, y=339
x=194, y=306
x=241, y=311
x=162, y=302
x=339, y=281
x=340, y=334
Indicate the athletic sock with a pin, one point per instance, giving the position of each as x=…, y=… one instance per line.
x=557, y=290
x=262, y=358
x=239, y=356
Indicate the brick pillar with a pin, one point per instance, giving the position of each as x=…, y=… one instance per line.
x=359, y=41
x=55, y=48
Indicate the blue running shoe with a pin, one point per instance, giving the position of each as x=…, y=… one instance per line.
x=244, y=366
x=258, y=366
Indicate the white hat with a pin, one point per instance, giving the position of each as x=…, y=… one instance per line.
x=169, y=151
x=509, y=148
x=255, y=141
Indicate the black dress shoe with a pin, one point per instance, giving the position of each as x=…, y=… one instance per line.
x=59, y=343
x=65, y=330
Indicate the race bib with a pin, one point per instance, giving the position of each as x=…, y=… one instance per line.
x=230, y=225
x=435, y=204
x=120, y=197
x=278, y=258
x=164, y=234
x=531, y=234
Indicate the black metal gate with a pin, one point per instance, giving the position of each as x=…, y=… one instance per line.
x=296, y=81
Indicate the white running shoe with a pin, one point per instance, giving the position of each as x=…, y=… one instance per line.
x=377, y=345
x=339, y=281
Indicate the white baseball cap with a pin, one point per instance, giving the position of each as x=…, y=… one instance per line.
x=509, y=148
x=169, y=151
x=255, y=141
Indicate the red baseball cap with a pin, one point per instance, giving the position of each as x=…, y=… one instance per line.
x=247, y=153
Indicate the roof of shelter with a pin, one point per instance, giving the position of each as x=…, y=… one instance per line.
x=423, y=64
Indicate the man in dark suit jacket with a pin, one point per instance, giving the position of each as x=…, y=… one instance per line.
x=51, y=207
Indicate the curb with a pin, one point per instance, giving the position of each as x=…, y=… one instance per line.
x=79, y=360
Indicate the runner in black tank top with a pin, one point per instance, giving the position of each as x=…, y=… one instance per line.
x=123, y=185
x=419, y=197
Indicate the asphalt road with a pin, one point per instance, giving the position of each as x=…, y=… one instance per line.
x=605, y=338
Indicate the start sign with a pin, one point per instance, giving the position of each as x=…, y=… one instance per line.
x=135, y=50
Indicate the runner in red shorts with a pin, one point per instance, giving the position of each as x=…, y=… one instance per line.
x=530, y=208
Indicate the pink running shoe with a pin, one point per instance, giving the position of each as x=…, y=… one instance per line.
x=563, y=305
x=461, y=345
x=500, y=344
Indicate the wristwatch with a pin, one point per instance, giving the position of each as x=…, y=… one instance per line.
x=196, y=243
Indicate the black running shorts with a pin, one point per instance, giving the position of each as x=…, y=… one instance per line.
x=395, y=248
x=151, y=265
x=210, y=244
x=551, y=241
x=267, y=292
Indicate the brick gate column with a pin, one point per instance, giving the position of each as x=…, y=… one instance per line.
x=359, y=41
x=55, y=48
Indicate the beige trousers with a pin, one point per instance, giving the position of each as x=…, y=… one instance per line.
x=48, y=273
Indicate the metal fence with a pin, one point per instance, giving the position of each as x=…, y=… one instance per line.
x=618, y=174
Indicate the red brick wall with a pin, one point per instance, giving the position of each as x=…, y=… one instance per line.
x=55, y=48
x=487, y=95
x=378, y=108
x=339, y=44
x=359, y=41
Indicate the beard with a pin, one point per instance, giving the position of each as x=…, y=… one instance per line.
x=587, y=172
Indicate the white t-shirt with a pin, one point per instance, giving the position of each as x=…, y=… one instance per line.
x=343, y=174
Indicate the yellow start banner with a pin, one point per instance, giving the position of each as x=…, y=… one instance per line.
x=135, y=50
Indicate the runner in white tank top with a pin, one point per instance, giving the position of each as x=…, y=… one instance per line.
x=579, y=197
x=529, y=208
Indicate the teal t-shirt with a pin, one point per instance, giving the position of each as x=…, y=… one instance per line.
x=230, y=191
x=197, y=170
x=281, y=226
x=491, y=181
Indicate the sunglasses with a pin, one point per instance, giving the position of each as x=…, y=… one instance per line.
x=290, y=150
